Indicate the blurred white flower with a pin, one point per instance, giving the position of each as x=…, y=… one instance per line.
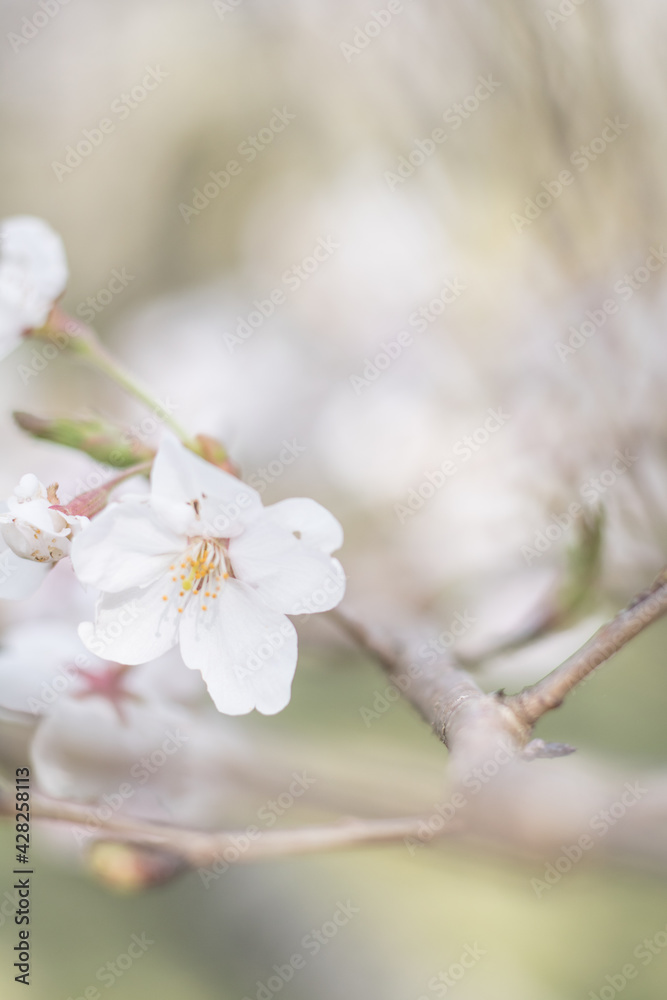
x=33, y=274
x=96, y=720
x=203, y=563
x=35, y=536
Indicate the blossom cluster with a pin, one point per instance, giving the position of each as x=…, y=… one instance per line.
x=195, y=567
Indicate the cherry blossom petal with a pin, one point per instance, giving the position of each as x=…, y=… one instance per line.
x=38, y=664
x=36, y=512
x=167, y=679
x=33, y=543
x=86, y=748
x=314, y=523
x=125, y=546
x=19, y=578
x=179, y=477
x=289, y=575
x=246, y=652
x=134, y=626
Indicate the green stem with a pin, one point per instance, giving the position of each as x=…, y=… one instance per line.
x=83, y=341
x=97, y=357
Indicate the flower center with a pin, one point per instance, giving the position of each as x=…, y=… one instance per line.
x=202, y=570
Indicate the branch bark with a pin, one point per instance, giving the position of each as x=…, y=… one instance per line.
x=471, y=723
x=474, y=726
x=198, y=848
x=534, y=701
x=527, y=814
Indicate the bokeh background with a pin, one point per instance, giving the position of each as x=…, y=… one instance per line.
x=361, y=99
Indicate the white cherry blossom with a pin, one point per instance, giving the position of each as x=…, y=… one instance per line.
x=202, y=563
x=33, y=274
x=34, y=536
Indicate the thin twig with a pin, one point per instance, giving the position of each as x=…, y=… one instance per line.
x=199, y=848
x=534, y=701
x=500, y=824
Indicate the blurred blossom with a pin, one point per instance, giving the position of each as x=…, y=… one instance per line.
x=96, y=719
x=33, y=274
x=344, y=314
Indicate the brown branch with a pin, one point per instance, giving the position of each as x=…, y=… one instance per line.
x=534, y=701
x=488, y=822
x=471, y=723
x=388, y=659
x=198, y=848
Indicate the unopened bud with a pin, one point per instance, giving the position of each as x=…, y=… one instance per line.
x=93, y=501
x=129, y=868
x=215, y=453
x=104, y=441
